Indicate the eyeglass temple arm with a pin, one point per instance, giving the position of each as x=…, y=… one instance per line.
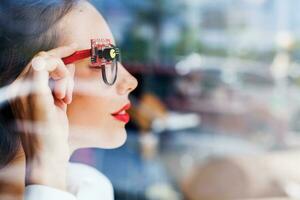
x=78, y=55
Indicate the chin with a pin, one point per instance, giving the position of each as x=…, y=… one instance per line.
x=116, y=139
x=97, y=138
x=121, y=139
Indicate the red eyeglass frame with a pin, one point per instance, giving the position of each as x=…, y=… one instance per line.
x=78, y=55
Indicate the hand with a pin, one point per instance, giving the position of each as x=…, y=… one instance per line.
x=44, y=89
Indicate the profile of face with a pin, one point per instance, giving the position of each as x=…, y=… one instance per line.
x=90, y=114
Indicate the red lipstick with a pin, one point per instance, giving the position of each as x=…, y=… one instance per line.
x=121, y=114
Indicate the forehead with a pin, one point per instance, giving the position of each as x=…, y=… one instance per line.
x=82, y=24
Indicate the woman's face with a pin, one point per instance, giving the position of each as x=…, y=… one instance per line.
x=90, y=113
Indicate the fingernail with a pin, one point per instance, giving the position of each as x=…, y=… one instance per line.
x=38, y=64
x=70, y=100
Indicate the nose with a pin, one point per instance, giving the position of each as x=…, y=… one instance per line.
x=126, y=83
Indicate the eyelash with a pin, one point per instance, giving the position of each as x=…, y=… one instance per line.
x=95, y=67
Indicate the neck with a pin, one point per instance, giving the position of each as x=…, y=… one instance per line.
x=13, y=188
x=78, y=139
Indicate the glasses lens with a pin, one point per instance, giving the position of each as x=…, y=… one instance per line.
x=109, y=72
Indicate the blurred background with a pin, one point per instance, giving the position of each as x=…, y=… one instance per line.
x=217, y=111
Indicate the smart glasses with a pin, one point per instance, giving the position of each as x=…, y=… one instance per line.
x=103, y=55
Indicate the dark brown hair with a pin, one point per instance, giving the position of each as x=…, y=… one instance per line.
x=26, y=28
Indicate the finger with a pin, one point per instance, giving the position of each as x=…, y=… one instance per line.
x=60, y=88
x=53, y=65
x=58, y=72
x=41, y=98
x=68, y=98
x=64, y=51
x=61, y=104
x=39, y=82
x=63, y=87
x=56, y=68
x=46, y=65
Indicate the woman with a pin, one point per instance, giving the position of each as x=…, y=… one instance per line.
x=53, y=107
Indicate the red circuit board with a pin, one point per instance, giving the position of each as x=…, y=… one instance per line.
x=96, y=46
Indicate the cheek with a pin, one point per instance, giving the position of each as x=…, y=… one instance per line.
x=91, y=110
x=88, y=111
x=91, y=99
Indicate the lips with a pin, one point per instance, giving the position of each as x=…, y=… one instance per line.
x=121, y=114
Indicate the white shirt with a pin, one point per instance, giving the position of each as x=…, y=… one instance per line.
x=83, y=183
